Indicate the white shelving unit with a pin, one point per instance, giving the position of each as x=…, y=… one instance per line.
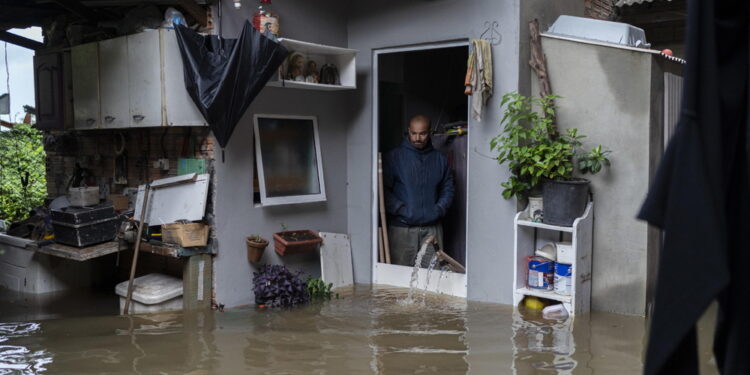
x=343, y=58
x=530, y=236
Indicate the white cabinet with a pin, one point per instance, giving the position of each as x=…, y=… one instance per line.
x=144, y=71
x=530, y=236
x=85, y=72
x=132, y=81
x=180, y=108
x=113, y=83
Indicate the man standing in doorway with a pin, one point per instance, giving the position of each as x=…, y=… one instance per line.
x=419, y=190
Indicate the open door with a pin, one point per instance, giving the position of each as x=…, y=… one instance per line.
x=423, y=80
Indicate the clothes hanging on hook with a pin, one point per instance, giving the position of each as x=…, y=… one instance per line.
x=479, y=77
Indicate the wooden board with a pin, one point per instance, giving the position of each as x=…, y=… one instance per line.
x=83, y=253
x=172, y=200
x=336, y=259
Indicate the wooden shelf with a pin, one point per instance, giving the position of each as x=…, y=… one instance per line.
x=544, y=294
x=308, y=86
x=527, y=223
x=527, y=241
x=343, y=58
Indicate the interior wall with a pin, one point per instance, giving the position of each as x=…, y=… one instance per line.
x=236, y=216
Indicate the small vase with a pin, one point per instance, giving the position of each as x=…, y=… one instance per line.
x=255, y=249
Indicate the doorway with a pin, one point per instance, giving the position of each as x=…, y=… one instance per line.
x=424, y=80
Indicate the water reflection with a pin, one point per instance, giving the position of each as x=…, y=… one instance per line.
x=366, y=331
x=541, y=344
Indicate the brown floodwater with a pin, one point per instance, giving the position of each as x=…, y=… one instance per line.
x=368, y=330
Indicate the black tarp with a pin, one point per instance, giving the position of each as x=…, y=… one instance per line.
x=223, y=76
x=700, y=199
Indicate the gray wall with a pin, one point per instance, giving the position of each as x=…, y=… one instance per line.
x=607, y=94
x=391, y=23
x=236, y=217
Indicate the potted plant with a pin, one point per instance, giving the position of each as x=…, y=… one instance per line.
x=295, y=241
x=256, y=245
x=537, y=155
x=277, y=286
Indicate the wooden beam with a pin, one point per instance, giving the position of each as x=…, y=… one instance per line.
x=77, y=8
x=538, y=63
x=20, y=41
x=198, y=12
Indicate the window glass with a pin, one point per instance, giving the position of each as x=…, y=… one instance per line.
x=289, y=157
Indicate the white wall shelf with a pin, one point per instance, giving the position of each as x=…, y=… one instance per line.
x=343, y=58
x=530, y=236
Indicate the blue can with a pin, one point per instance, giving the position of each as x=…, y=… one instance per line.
x=541, y=273
x=563, y=278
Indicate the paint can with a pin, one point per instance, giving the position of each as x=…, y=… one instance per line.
x=541, y=273
x=563, y=278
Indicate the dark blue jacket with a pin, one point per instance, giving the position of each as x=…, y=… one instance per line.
x=418, y=185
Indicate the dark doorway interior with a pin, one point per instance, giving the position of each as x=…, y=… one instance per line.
x=429, y=82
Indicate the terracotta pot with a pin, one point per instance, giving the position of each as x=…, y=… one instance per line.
x=285, y=247
x=255, y=249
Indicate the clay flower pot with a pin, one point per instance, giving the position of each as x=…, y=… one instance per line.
x=296, y=242
x=255, y=248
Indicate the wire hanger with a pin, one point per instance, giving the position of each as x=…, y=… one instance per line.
x=490, y=33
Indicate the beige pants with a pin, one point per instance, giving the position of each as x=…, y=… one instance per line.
x=405, y=243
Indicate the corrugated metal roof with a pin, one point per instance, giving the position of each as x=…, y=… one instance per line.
x=621, y=3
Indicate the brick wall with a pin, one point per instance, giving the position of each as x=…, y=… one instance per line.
x=95, y=150
x=600, y=9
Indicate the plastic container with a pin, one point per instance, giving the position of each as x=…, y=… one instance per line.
x=152, y=293
x=549, y=251
x=563, y=278
x=565, y=253
x=541, y=273
x=83, y=196
x=557, y=312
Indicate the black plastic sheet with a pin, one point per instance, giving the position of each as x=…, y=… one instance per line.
x=223, y=76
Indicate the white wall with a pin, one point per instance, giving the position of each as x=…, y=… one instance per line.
x=235, y=214
x=391, y=23
x=610, y=95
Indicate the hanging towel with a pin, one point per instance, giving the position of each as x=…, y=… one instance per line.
x=478, y=79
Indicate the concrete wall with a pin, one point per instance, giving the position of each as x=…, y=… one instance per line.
x=608, y=94
x=236, y=216
x=391, y=23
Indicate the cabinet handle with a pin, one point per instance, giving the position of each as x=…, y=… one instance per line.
x=90, y=121
x=138, y=118
x=109, y=118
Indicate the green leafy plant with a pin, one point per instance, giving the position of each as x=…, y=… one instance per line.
x=256, y=238
x=23, y=184
x=318, y=289
x=534, y=150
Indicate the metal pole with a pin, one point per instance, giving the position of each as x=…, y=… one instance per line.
x=146, y=194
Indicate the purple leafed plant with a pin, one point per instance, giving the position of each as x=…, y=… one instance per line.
x=275, y=286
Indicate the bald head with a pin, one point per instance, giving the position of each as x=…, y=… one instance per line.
x=419, y=131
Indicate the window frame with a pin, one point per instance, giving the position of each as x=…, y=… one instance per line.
x=289, y=199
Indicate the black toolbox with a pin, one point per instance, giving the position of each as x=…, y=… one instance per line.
x=84, y=226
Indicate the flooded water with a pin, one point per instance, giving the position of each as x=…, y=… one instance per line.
x=366, y=331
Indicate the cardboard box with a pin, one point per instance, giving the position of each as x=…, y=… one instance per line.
x=119, y=201
x=185, y=235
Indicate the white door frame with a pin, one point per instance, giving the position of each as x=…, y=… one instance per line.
x=450, y=283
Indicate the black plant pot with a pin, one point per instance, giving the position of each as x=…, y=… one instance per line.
x=564, y=201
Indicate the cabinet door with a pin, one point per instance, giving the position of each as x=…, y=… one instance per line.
x=113, y=82
x=181, y=110
x=144, y=70
x=85, y=71
x=49, y=91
